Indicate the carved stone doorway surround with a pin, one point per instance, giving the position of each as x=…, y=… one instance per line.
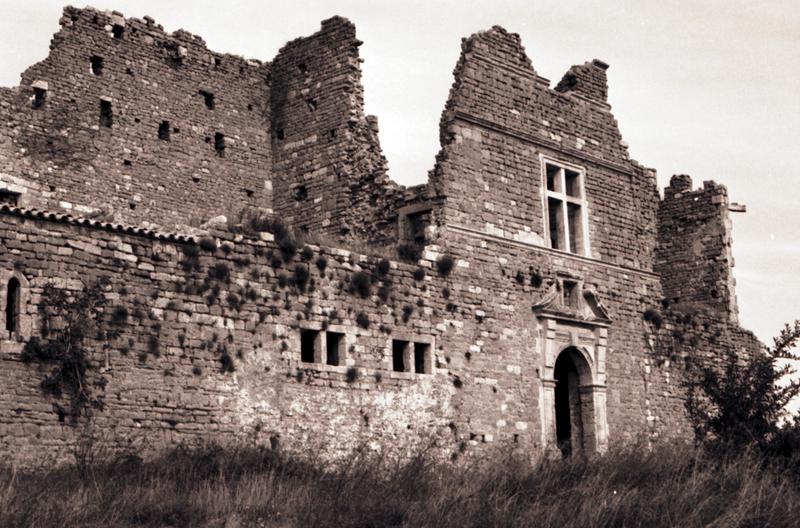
x=571, y=320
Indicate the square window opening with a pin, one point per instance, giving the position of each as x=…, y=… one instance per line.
x=118, y=31
x=334, y=342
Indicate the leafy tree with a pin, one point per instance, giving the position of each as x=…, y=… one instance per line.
x=740, y=404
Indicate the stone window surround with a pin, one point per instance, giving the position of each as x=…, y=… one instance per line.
x=582, y=202
x=410, y=338
x=25, y=320
x=320, y=345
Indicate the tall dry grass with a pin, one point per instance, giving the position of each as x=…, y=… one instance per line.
x=671, y=486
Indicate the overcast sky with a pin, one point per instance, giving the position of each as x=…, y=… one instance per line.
x=707, y=88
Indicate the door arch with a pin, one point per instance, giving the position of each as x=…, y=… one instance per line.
x=573, y=402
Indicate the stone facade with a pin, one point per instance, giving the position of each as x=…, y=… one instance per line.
x=554, y=304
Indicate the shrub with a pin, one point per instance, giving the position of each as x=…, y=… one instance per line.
x=307, y=254
x=520, y=277
x=119, y=316
x=321, y=263
x=301, y=275
x=419, y=274
x=536, y=279
x=446, y=292
x=740, y=405
x=383, y=267
x=652, y=315
x=352, y=375
x=444, y=265
x=407, y=311
x=208, y=244
x=361, y=283
x=362, y=320
x=409, y=252
x=383, y=293
x=219, y=271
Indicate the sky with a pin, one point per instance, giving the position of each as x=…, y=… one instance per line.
x=707, y=88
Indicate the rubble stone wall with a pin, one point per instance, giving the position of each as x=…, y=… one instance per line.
x=66, y=158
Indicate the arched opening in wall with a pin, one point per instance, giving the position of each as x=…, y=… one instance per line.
x=13, y=296
x=573, y=406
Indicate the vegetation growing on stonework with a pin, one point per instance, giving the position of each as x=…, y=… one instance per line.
x=444, y=265
x=361, y=283
x=409, y=251
x=739, y=405
x=69, y=320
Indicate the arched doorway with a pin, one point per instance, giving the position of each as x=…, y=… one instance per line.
x=573, y=407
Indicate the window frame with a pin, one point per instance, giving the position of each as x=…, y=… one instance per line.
x=582, y=246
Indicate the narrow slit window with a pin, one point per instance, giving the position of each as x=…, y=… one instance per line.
x=398, y=355
x=13, y=305
x=556, y=223
x=106, y=114
x=566, y=211
x=163, y=131
x=334, y=342
x=96, y=65
x=208, y=99
x=219, y=144
x=309, y=346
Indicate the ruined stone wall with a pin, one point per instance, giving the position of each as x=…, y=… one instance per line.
x=188, y=306
x=693, y=255
x=166, y=377
x=58, y=151
x=330, y=171
x=501, y=119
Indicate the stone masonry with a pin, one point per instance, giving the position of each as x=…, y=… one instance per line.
x=537, y=293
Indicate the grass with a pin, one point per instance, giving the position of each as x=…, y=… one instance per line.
x=672, y=486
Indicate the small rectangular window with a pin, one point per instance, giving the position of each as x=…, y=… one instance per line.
x=208, y=98
x=553, y=178
x=399, y=355
x=309, y=346
x=118, y=31
x=39, y=97
x=96, y=65
x=219, y=144
x=8, y=197
x=334, y=342
x=570, y=293
x=106, y=114
x=163, y=131
x=422, y=358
